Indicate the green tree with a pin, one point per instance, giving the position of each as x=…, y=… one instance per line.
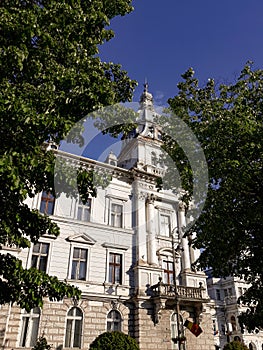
x=42, y=344
x=51, y=76
x=235, y=345
x=114, y=341
x=227, y=121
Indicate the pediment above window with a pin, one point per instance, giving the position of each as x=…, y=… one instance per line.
x=81, y=238
x=115, y=246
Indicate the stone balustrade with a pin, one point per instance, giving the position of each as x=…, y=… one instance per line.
x=182, y=292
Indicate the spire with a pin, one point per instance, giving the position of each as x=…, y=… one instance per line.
x=146, y=99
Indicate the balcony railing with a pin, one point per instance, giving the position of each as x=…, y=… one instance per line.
x=181, y=292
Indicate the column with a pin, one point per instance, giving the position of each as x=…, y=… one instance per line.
x=182, y=224
x=152, y=257
x=140, y=222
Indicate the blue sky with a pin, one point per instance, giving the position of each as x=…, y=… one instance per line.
x=160, y=40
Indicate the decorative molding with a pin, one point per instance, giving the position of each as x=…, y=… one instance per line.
x=151, y=198
x=113, y=196
x=81, y=238
x=115, y=246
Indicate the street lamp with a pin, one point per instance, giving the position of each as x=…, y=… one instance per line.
x=177, y=308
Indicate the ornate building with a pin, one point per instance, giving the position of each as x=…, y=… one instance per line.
x=225, y=293
x=124, y=249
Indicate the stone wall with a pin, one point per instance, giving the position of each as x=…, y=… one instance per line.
x=53, y=321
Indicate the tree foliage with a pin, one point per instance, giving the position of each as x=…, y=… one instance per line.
x=42, y=344
x=227, y=121
x=114, y=341
x=51, y=76
x=235, y=345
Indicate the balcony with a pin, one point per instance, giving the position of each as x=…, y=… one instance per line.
x=181, y=293
x=170, y=296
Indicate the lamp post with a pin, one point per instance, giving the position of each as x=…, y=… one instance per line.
x=177, y=308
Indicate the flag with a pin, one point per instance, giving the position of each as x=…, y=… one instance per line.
x=193, y=327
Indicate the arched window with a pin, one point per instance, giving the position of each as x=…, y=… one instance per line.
x=74, y=328
x=114, y=321
x=233, y=323
x=30, y=326
x=174, y=329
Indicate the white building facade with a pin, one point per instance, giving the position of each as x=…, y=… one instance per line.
x=124, y=249
x=225, y=292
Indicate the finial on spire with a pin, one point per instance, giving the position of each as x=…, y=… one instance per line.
x=146, y=85
x=146, y=100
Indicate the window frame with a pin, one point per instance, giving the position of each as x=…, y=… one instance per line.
x=166, y=215
x=32, y=253
x=71, y=338
x=49, y=198
x=113, y=321
x=120, y=205
x=167, y=272
x=121, y=265
x=82, y=206
x=86, y=247
x=27, y=326
x=79, y=261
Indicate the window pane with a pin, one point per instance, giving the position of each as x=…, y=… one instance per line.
x=77, y=334
x=115, y=326
x=111, y=271
x=68, y=333
x=118, y=221
x=82, y=271
x=44, y=248
x=78, y=312
x=83, y=254
x=50, y=208
x=36, y=248
x=34, y=332
x=43, y=207
x=79, y=217
x=74, y=270
x=24, y=331
x=34, y=261
x=43, y=263
x=108, y=326
x=117, y=274
x=86, y=216
x=76, y=253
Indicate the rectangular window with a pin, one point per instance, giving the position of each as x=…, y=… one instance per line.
x=115, y=268
x=165, y=226
x=79, y=264
x=168, y=269
x=40, y=256
x=225, y=293
x=84, y=211
x=230, y=292
x=218, y=296
x=47, y=203
x=116, y=215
